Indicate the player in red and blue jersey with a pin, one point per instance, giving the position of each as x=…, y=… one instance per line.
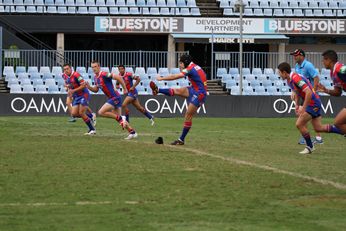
x=195, y=94
x=338, y=75
x=132, y=94
x=311, y=108
x=69, y=99
x=80, y=97
x=112, y=108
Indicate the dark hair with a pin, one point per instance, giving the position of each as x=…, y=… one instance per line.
x=331, y=54
x=185, y=59
x=66, y=64
x=284, y=67
x=95, y=61
x=121, y=65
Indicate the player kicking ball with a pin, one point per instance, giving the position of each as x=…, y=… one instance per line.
x=112, y=108
x=338, y=75
x=195, y=95
x=132, y=94
x=79, y=93
x=311, y=108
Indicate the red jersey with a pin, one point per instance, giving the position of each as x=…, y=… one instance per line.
x=104, y=81
x=74, y=81
x=197, y=77
x=334, y=74
x=128, y=79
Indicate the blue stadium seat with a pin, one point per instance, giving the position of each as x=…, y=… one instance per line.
x=249, y=77
x=303, y=4
x=120, y=3
x=144, y=77
x=225, y=78
x=274, y=4
x=113, y=10
x=308, y=13
x=333, y=4
x=191, y=3
x=254, y=4
x=134, y=11
x=110, y=3
x=154, y=11
x=145, y=11
x=329, y=13
x=56, y=70
x=145, y=82
x=288, y=12
x=49, y=82
x=105, y=69
x=294, y=4
x=261, y=78
x=52, y=10
x=20, y=9
x=23, y=75
x=283, y=4
x=20, y=69
x=36, y=82
x=8, y=70
x=62, y=10
x=318, y=13
x=141, y=3
x=245, y=83
x=257, y=71
x=246, y=71
x=298, y=13
x=228, y=11
x=273, y=77
x=47, y=76
x=313, y=4
x=123, y=10
x=248, y=12
x=10, y=76
x=268, y=71
x=28, y=89
x=260, y=90
x=100, y=3
x=195, y=12
x=131, y=3
x=267, y=83
x=161, y=3
x=49, y=2
x=32, y=10
x=165, y=11
x=181, y=3
x=41, y=89
x=129, y=69
x=176, y=71
x=71, y=10
x=90, y=3
x=272, y=90
x=139, y=71
x=44, y=69
x=220, y=72
x=115, y=70
x=93, y=10
x=163, y=71
x=69, y=3
x=235, y=90
x=12, y=81
x=255, y=83
x=151, y=71
x=25, y=82
x=53, y=89
x=278, y=13
x=60, y=2
x=258, y=12
x=233, y=71
x=15, y=88
x=82, y=10
x=231, y=83
x=151, y=3
x=278, y=83
x=171, y=3
x=28, y=2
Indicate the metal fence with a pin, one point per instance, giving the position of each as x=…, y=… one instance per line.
x=264, y=59
x=83, y=58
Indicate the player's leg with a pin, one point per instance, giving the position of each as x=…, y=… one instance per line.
x=183, y=92
x=301, y=125
x=124, y=124
x=140, y=108
x=69, y=107
x=191, y=111
x=340, y=120
x=106, y=111
x=83, y=107
x=91, y=115
x=125, y=108
x=329, y=128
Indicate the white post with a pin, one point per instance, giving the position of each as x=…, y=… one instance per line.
x=241, y=47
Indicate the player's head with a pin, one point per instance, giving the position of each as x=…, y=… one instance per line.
x=67, y=69
x=121, y=69
x=299, y=55
x=284, y=70
x=95, y=65
x=330, y=57
x=185, y=61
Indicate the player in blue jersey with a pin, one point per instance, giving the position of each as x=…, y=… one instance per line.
x=132, y=94
x=308, y=70
x=112, y=108
x=311, y=108
x=195, y=94
x=79, y=93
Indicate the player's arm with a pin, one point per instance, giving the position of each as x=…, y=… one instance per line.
x=79, y=88
x=94, y=89
x=337, y=91
x=171, y=77
x=316, y=82
x=120, y=81
x=138, y=80
x=308, y=96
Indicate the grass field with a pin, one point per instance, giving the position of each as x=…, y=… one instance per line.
x=232, y=174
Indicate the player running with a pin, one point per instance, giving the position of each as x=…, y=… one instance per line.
x=308, y=70
x=68, y=72
x=195, y=95
x=132, y=94
x=112, y=108
x=311, y=108
x=338, y=75
x=79, y=93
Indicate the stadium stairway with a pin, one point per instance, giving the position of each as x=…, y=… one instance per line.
x=214, y=88
x=209, y=8
x=3, y=86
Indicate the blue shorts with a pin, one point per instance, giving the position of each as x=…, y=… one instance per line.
x=133, y=94
x=196, y=98
x=115, y=102
x=314, y=111
x=81, y=100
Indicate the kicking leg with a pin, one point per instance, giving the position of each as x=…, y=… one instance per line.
x=183, y=92
x=340, y=121
x=329, y=128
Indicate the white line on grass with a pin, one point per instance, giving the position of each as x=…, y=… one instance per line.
x=264, y=167
x=43, y=204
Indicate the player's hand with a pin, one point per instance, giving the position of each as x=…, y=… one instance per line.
x=301, y=111
x=131, y=89
x=293, y=96
x=322, y=88
x=159, y=78
x=70, y=92
x=297, y=110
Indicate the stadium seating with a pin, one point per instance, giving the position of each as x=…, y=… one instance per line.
x=289, y=8
x=102, y=7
